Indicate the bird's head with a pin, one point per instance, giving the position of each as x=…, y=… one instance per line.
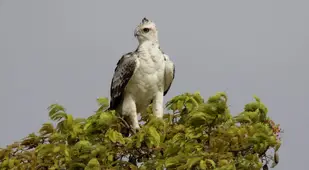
x=146, y=31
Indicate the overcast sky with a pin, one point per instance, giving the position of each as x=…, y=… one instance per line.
x=66, y=51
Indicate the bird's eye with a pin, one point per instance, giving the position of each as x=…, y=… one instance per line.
x=146, y=30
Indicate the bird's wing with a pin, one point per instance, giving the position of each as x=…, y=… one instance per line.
x=123, y=73
x=169, y=74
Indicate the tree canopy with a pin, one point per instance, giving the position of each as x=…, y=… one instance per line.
x=194, y=134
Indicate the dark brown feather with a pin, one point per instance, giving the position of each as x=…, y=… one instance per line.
x=123, y=73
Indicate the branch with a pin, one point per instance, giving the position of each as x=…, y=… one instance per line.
x=127, y=125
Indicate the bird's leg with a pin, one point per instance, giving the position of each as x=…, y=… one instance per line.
x=157, y=107
x=134, y=121
x=129, y=109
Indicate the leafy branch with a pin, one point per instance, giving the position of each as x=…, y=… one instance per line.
x=194, y=134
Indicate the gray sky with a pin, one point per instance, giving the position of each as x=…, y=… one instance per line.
x=66, y=51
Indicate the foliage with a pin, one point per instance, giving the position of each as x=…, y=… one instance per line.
x=194, y=135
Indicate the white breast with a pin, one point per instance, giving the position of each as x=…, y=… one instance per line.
x=148, y=78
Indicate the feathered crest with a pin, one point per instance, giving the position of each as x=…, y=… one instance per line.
x=145, y=21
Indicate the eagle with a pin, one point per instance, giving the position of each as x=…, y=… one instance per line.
x=142, y=77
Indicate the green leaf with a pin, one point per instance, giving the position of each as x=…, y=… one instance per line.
x=56, y=149
x=56, y=112
x=155, y=136
x=198, y=98
x=112, y=135
x=174, y=106
x=277, y=146
x=84, y=156
x=189, y=106
x=198, y=119
x=171, y=162
x=88, y=124
x=93, y=164
x=115, y=136
x=223, y=162
x=107, y=118
x=257, y=98
x=77, y=165
x=179, y=105
x=67, y=154
x=140, y=139
x=102, y=101
x=110, y=157
x=11, y=163
x=159, y=166
x=203, y=165
x=69, y=121
x=193, y=161
x=5, y=163
x=47, y=128
x=212, y=163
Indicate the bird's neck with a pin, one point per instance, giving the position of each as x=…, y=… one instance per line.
x=149, y=49
x=149, y=44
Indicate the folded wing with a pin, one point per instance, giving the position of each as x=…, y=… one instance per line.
x=123, y=73
x=169, y=74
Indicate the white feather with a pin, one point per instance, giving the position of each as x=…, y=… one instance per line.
x=152, y=76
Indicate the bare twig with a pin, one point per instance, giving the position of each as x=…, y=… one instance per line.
x=127, y=125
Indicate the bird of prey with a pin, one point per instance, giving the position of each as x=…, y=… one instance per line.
x=142, y=77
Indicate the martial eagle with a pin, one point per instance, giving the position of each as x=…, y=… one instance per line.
x=142, y=77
